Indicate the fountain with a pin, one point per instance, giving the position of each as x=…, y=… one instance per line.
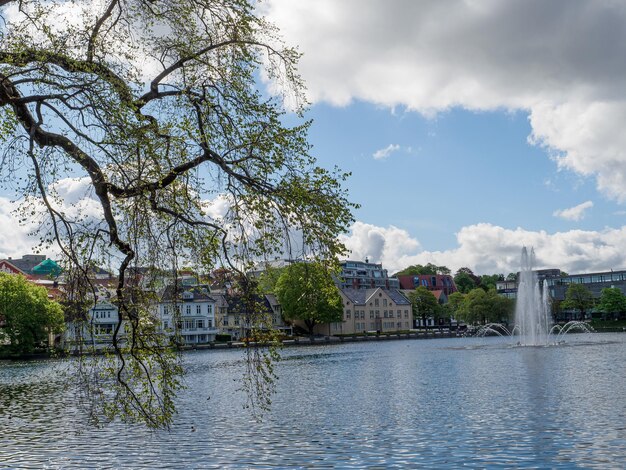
x=533, y=322
x=532, y=311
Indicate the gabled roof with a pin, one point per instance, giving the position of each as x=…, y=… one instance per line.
x=236, y=304
x=200, y=292
x=363, y=296
x=7, y=266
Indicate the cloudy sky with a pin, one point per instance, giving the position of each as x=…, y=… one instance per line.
x=471, y=128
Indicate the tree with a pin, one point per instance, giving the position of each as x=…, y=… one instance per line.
x=268, y=279
x=455, y=300
x=154, y=108
x=306, y=292
x=27, y=313
x=418, y=269
x=466, y=280
x=489, y=281
x=612, y=301
x=480, y=307
x=578, y=298
x=424, y=304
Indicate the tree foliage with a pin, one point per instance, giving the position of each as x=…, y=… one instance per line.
x=480, y=307
x=465, y=280
x=424, y=304
x=612, y=301
x=578, y=298
x=418, y=269
x=27, y=315
x=306, y=292
x=154, y=108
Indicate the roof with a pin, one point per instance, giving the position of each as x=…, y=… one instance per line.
x=7, y=266
x=27, y=262
x=236, y=303
x=361, y=296
x=200, y=292
x=47, y=267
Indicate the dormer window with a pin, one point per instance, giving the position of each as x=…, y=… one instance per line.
x=187, y=295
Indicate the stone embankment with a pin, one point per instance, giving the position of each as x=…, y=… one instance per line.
x=317, y=340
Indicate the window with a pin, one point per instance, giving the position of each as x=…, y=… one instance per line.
x=399, y=312
x=385, y=314
x=166, y=310
x=166, y=325
x=188, y=310
x=199, y=323
x=425, y=282
x=433, y=281
x=384, y=302
x=188, y=324
x=377, y=312
x=237, y=320
x=362, y=314
x=371, y=314
x=376, y=302
x=198, y=309
x=406, y=314
x=210, y=323
x=390, y=313
x=225, y=321
x=348, y=313
x=209, y=309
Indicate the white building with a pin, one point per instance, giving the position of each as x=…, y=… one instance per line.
x=188, y=312
x=96, y=330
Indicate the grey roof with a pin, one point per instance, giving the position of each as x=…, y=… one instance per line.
x=360, y=296
x=27, y=262
x=199, y=293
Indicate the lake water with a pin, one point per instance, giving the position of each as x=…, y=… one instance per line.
x=412, y=403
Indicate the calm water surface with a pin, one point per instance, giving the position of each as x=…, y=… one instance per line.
x=477, y=403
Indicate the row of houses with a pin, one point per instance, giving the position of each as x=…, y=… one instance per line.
x=197, y=312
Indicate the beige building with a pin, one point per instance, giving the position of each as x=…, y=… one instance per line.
x=383, y=310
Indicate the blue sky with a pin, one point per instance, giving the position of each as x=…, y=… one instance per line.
x=471, y=128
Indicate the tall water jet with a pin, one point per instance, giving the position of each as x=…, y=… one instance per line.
x=532, y=310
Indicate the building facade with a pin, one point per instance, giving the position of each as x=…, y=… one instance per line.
x=365, y=275
x=595, y=282
x=433, y=282
x=188, y=313
x=378, y=309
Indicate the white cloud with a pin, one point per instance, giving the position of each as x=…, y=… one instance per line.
x=386, y=152
x=16, y=239
x=559, y=61
x=574, y=213
x=489, y=249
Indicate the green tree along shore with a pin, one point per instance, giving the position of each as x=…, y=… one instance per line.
x=155, y=110
x=27, y=315
x=307, y=292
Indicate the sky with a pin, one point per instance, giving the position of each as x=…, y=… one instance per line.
x=471, y=128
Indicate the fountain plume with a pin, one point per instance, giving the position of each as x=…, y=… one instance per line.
x=532, y=310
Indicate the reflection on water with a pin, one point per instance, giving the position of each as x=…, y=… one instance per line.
x=429, y=403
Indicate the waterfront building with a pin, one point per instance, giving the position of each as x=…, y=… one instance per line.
x=377, y=309
x=95, y=329
x=237, y=319
x=433, y=282
x=188, y=313
x=508, y=288
x=365, y=275
x=594, y=282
